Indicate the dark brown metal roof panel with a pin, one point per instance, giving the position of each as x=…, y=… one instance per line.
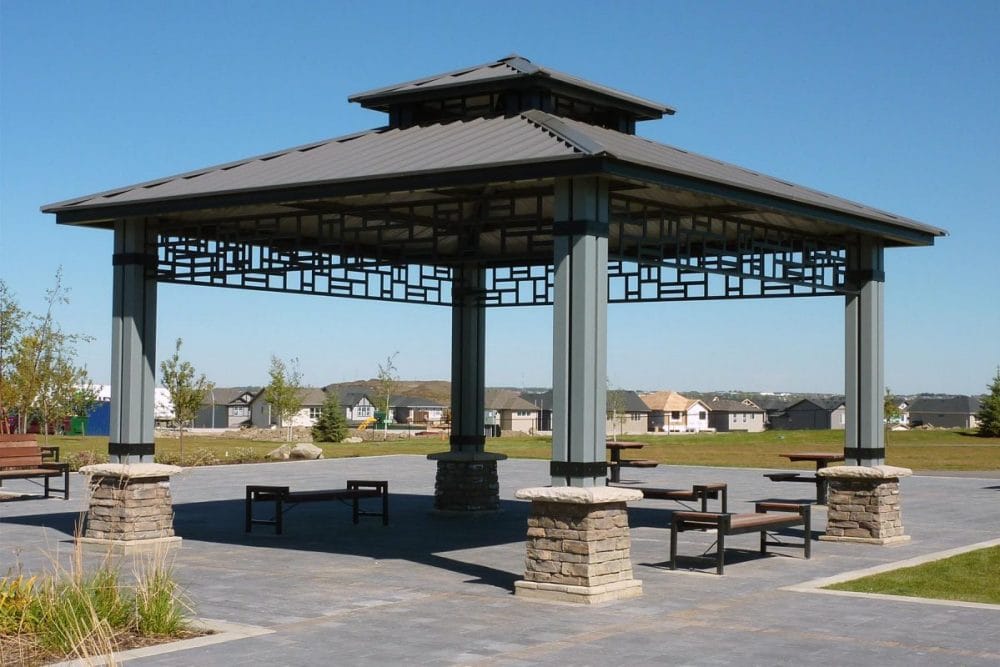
x=509, y=68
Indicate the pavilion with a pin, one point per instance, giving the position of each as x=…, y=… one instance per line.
x=503, y=184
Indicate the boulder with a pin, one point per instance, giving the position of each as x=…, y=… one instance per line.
x=280, y=454
x=306, y=450
x=353, y=440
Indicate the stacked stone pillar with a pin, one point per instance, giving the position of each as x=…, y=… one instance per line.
x=579, y=547
x=863, y=504
x=467, y=481
x=130, y=506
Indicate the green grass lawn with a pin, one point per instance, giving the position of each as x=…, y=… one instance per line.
x=972, y=577
x=919, y=450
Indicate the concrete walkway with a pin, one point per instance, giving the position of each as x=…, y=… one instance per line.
x=437, y=590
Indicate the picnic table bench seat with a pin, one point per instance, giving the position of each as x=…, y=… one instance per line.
x=284, y=499
x=25, y=459
x=697, y=493
x=768, y=516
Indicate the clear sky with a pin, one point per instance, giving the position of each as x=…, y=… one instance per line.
x=894, y=104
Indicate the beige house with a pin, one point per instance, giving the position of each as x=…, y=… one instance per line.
x=670, y=412
x=627, y=414
x=507, y=411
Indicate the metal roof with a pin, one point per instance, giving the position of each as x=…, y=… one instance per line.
x=510, y=68
x=532, y=144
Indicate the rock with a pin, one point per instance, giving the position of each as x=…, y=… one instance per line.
x=353, y=440
x=280, y=454
x=305, y=450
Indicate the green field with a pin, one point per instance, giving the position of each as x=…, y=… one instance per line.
x=971, y=577
x=919, y=450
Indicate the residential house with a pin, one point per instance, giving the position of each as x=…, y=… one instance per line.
x=952, y=412
x=634, y=418
x=774, y=407
x=812, y=413
x=225, y=407
x=726, y=415
x=507, y=411
x=670, y=412
x=415, y=410
x=312, y=399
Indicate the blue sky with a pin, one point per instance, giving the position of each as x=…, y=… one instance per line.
x=894, y=104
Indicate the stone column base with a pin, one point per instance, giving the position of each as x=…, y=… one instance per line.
x=579, y=546
x=863, y=504
x=130, y=506
x=467, y=482
x=619, y=590
x=128, y=546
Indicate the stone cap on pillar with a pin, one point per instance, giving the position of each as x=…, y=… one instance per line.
x=865, y=472
x=469, y=457
x=581, y=495
x=130, y=470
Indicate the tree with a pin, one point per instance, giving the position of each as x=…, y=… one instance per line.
x=186, y=391
x=890, y=412
x=989, y=410
x=283, y=392
x=38, y=373
x=616, y=412
x=332, y=423
x=387, y=380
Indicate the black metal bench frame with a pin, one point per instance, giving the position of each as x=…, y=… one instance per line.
x=285, y=499
x=787, y=514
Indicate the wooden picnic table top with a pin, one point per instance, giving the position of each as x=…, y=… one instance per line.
x=818, y=457
x=624, y=445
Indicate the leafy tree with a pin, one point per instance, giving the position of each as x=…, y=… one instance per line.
x=186, y=391
x=388, y=378
x=283, y=392
x=890, y=412
x=38, y=373
x=989, y=410
x=332, y=423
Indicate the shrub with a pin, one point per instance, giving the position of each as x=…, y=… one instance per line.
x=77, y=460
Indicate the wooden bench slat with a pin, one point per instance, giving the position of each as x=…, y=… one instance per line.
x=20, y=462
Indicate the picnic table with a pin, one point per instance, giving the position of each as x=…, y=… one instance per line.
x=617, y=461
x=821, y=459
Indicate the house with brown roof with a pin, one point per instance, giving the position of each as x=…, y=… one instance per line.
x=726, y=415
x=670, y=412
x=507, y=411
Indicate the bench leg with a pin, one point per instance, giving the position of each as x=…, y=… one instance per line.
x=807, y=528
x=46, y=487
x=248, y=511
x=66, y=484
x=673, y=546
x=355, y=510
x=385, y=506
x=763, y=541
x=278, y=516
x=720, y=563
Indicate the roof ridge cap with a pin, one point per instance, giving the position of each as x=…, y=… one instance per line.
x=579, y=140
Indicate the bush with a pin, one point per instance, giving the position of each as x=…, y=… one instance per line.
x=200, y=457
x=246, y=455
x=77, y=460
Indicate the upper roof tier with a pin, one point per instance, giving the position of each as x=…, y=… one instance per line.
x=508, y=86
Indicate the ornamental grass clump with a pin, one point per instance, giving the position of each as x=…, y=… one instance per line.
x=70, y=613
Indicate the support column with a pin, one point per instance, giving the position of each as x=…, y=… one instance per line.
x=133, y=344
x=579, y=547
x=467, y=479
x=579, y=349
x=865, y=355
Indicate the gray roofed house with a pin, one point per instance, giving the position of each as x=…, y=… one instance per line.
x=416, y=410
x=507, y=411
x=952, y=412
x=812, y=413
x=226, y=407
x=728, y=415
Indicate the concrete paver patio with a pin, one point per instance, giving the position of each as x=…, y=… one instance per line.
x=434, y=589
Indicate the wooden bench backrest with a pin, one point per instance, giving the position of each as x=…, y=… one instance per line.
x=20, y=454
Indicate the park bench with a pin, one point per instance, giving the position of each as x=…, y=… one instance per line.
x=284, y=499
x=701, y=493
x=22, y=458
x=760, y=521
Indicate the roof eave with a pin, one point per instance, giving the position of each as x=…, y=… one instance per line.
x=912, y=234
